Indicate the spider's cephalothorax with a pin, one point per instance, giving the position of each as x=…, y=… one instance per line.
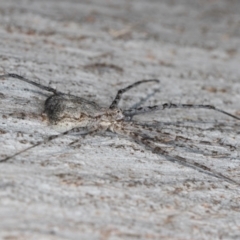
x=110, y=118
x=86, y=117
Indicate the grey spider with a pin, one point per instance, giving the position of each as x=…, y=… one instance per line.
x=88, y=117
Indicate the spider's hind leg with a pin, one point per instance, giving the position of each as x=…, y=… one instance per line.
x=16, y=76
x=81, y=131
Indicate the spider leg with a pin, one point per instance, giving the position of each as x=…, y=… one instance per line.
x=149, y=143
x=159, y=135
x=78, y=130
x=142, y=110
x=13, y=75
x=123, y=90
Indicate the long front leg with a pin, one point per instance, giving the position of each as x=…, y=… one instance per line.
x=121, y=91
x=150, y=143
x=142, y=110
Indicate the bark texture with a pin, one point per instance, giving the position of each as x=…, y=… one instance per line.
x=108, y=187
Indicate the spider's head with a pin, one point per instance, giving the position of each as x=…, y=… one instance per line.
x=117, y=114
x=113, y=115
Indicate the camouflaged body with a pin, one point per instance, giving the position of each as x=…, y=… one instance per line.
x=62, y=107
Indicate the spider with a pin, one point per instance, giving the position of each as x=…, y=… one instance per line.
x=87, y=117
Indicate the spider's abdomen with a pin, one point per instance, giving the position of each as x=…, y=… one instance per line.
x=66, y=108
x=54, y=108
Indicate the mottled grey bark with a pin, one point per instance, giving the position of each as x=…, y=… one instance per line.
x=108, y=187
